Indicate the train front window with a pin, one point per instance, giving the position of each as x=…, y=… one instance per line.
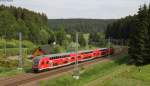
x=35, y=62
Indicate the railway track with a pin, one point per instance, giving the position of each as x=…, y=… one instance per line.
x=29, y=77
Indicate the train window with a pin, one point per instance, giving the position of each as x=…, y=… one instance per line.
x=35, y=62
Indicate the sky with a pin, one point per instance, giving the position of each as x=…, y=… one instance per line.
x=95, y=9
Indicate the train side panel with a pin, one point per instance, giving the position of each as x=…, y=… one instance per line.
x=96, y=53
x=58, y=61
x=44, y=63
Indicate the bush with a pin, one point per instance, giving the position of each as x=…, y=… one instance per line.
x=27, y=44
x=12, y=47
x=11, y=44
x=15, y=43
x=2, y=42
x=8, y=63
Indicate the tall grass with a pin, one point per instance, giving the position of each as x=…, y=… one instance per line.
x=132, y=77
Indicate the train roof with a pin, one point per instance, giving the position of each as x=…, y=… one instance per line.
x=102, y=48
x=63, y=54
x=84, y=51
x=52, y=55
x=55, y=55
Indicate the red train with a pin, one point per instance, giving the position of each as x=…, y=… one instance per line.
x=57, y=60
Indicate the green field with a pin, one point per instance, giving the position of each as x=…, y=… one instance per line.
x=113, y=73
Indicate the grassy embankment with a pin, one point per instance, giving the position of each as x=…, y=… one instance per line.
x=9, y=51
x=113, y=73
x=11, y=47
x=13, y=70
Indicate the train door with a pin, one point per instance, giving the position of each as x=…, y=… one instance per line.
x=72, y=58
x=44, y=63
x=96, y=53
x=54, y=61
x=65, y=59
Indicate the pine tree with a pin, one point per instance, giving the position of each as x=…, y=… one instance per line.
x=143, y=17
x=139, y=51
x=148, y=44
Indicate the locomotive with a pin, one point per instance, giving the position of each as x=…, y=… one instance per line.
x=43, y=62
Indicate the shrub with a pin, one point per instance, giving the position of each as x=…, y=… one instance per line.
x=27, y=44
x=8, y=63
x=2, y=42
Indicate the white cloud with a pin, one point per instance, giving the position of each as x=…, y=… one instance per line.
x=81, y=8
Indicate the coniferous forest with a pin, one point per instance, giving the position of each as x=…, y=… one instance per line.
x=136, y=29
x=80, y=25
x=32, y=25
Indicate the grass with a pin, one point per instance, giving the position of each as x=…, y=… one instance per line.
x=4, y=72
x=113, y=73
x=132, y=77
x=12, y=71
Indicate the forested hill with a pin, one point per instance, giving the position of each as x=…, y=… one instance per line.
x=80, y=25
x=136, y=29
x=33, y=25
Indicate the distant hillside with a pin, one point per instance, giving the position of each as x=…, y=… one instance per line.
x=33, y=25
x=80, y=25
